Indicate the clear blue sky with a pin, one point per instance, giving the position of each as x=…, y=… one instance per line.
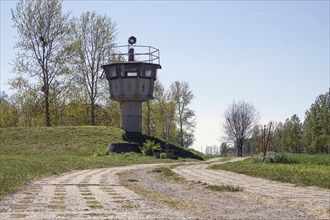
x=274, y=54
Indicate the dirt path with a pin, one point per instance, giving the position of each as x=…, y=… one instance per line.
x=101, y=194
x=316, y=200
x=308, y=195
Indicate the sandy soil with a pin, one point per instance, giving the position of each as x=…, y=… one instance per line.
x=101, y=194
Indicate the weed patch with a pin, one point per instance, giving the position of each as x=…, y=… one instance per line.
x=18, y=215
x=94, y=205
x=127, y=204
x=56, y=206
x=86, y=194
x=224, y=188
x=168, y=174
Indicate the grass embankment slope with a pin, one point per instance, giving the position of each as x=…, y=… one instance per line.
x=304, y=170
x=29, y=153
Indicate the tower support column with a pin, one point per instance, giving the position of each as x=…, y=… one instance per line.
x=131, y=116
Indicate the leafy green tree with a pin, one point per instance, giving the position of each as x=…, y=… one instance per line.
x=6, y=111
x=27, y=101
x=161, y=108
x=182, y=96
x=109, y=114
x=317, y=125
x=165, y=108
x=256, y=139
x=43, y=31
x=278, y=136
x=95, y=36
x=155, y=113
x=74, y=114
x=296, y=134
x=224, y=149
x=147, y=115
x=240, y=119
x=291, y=139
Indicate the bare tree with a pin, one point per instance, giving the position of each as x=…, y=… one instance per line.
x=182, y=96
x=43, y=31
x=240, y=118
x=266, y=139
x=95, y=36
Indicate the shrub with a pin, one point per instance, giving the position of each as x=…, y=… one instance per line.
x=259, y=158
x=272, y=157
x=149, y=147
x=162, y=156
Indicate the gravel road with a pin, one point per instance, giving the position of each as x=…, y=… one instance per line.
x=101, y=194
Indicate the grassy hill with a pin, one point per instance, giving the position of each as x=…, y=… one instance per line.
x=30, y=153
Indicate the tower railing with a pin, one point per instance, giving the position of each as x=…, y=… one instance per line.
x=146, y=54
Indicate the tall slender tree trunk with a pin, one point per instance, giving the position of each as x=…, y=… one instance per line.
x=181, y=132
x=240, y=148
x=239, y=151
x=92, y=112
x=47, y=106
x=148, y=119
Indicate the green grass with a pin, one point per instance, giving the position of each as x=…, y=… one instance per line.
x=224, y=188
x=312, y=159
x=307, y=170
x=30, y=153
x=127, y=204
x=168, y=174
x=93, y=204
x=18, y=215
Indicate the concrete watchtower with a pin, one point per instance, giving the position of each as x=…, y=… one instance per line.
x=132, y=82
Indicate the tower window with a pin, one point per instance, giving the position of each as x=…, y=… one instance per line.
x=131, y=74
x=147, y=73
